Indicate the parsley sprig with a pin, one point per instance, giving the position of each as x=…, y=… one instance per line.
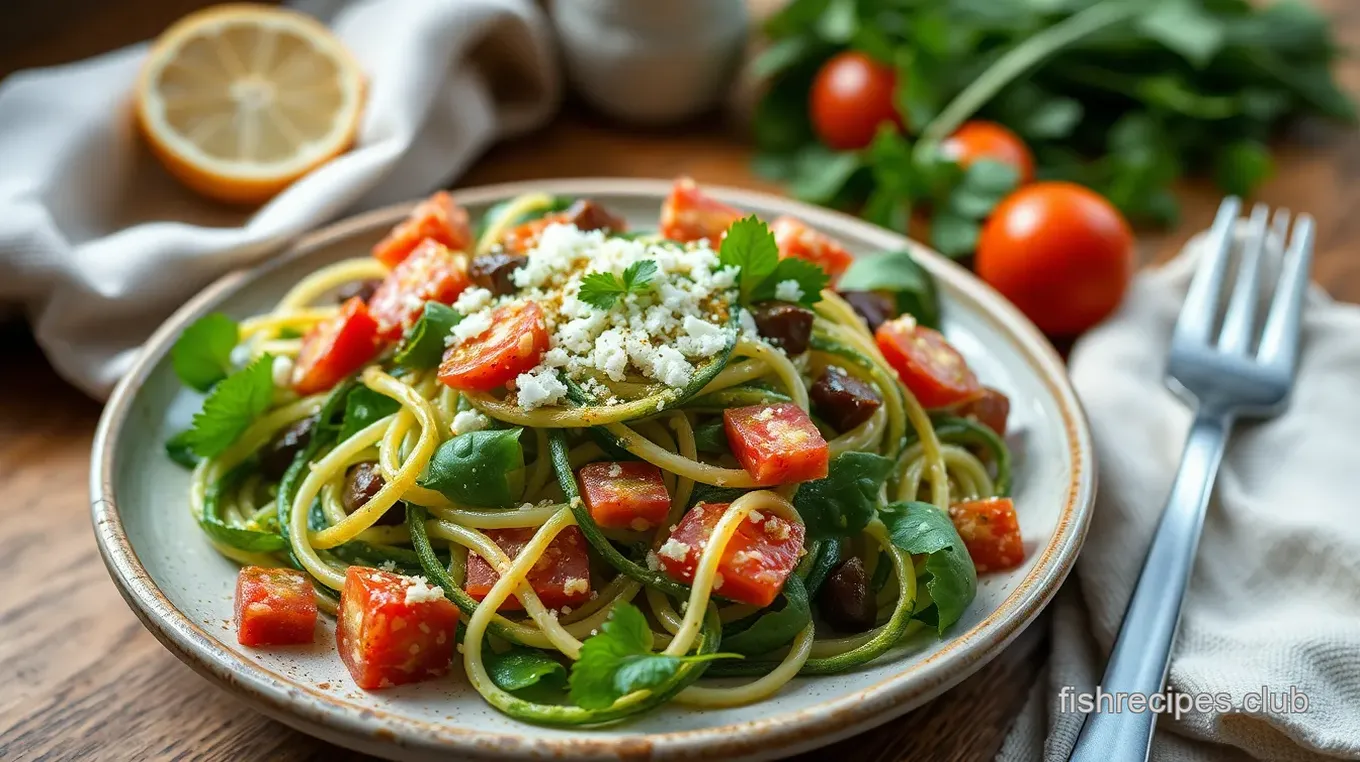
x=619, y=661
x=232, y=405
x=602, y=289
x=750, y=246
x=201, y=355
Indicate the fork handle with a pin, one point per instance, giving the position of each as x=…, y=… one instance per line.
x=1142, y=651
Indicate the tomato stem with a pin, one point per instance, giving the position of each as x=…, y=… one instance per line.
x=1016, y=62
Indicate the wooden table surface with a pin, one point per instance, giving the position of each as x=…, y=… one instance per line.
x=81, y=677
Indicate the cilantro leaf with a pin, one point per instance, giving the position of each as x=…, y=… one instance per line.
x=201, y=355
x=749, y=245
x=600, y=290
x=232, y=405
x=619, y=661
x=423, y=344
x=810, y=278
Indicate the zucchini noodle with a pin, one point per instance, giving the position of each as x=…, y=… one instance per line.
x=487, y=519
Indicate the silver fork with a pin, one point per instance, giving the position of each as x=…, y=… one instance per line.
x=1225, y=379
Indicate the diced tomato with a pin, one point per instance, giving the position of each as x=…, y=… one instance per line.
x=776, y=444
x=755, y=562
x=437, y=217
x=991, y=410
x=932, y=369
x=627, y=495
x=584, y=214
x=515, y=342
x=990, y=531
x=690, y=215
x=392, y=629
x=335, y=348
x=431, y=273
x=274, y=607
x=560, y=578
x=802, y=242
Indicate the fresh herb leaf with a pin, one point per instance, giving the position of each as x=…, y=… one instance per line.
x=482, y=468
x=773, y=628
x=899, y=273
x=1186, y=28
x=711, y=438
x=1242, y=166
x=178, y=449
x=363, y=406
x=601, y=289
x=749, y=245
x=518, y=668
x=232, y=405
x=202, y=355
x=423, y=345
x=818, y=175
x=619, y=661
x=810, y=278
x=923, y=529
x=708, y=493
x=843, y=503
x=952, y=234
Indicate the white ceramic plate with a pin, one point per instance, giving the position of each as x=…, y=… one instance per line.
x=182, y=589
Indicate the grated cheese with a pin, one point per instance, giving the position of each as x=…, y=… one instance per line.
x=421, y=591
x=788, y=291
x=469, y=420
x=674, y=550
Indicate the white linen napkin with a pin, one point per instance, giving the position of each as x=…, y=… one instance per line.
x=1274, y=601
x=100, y=245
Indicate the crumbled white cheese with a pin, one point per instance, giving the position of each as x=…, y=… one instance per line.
x=764, y=415
x=718, y=581
x=702, y=338
x=674, y=550
x=615, y=470
x=756, y=517
x=421, y=591
x=388, y=566
x=472, y=299
x=788, y=291
x=539, y=387
x=777, y=529
x=576, y=585
x=469, y=420
x=282, y=371
x=470, y=327
x=653, y=562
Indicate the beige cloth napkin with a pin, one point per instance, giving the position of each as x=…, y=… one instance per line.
x=100, y=245
x=1275, y=597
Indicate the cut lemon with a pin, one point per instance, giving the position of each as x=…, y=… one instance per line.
x=238, y=101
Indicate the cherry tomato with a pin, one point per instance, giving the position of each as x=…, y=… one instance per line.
x=515, y=342
x=436, y=217
x=430, y=273
x=929, y=367
x=851, y=96
x=626, y=495
x=335, y=348
x=689, y=214
x=1060, y=253
x=560, y=578
x=776, y=444
x=990, y=531
x=989, y=140
x=799, y=241
x=755, y=561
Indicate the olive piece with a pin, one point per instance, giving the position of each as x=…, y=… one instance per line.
x=362, y=482
x=494, y=272
x=279, y=454
x=364, y=289
x=786, y=325
x=843, y=400
x=588, y=215
x=876, y=307
x=845, y=600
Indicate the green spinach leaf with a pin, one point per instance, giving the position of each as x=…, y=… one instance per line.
x=482, y=468
x=843, y=503
x=923, y=529
x=423, y=345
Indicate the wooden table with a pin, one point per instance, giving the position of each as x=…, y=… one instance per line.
x=81, y=677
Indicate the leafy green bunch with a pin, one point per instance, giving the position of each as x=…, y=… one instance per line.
x=1124, y=96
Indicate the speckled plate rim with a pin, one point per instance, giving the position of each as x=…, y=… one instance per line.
x=778, y=734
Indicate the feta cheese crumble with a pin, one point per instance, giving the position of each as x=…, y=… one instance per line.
x=473, y=299
x=674, y=550
x=282, y=371
x=421, y=591
x=469, y=420
x=788, y=291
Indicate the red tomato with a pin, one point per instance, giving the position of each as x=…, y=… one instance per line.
x=990, y=532
x=584, y=214
x=776, y=444
x=991, y=410
x=851, y=96
x=436, y=217
x=690, y=215
x=431, y=273
x=274, y=607
x=989, y=140
x=802, y=242
x=560, y=578
x=1059, y=252
x=392, y=629
x=755, y=562
x=516, y=340
x=627, y=495
x=335, y=348
x=929, y=367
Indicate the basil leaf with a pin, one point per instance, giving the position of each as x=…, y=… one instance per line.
x=423, y=345
x=363, y=406
x=774, y=628
x=922, y=529
x=178, y=449
x=482, y=468
x=518, y=668
x=899, y=273
x=232, y=405
x=843, y=503
x=201, y=355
